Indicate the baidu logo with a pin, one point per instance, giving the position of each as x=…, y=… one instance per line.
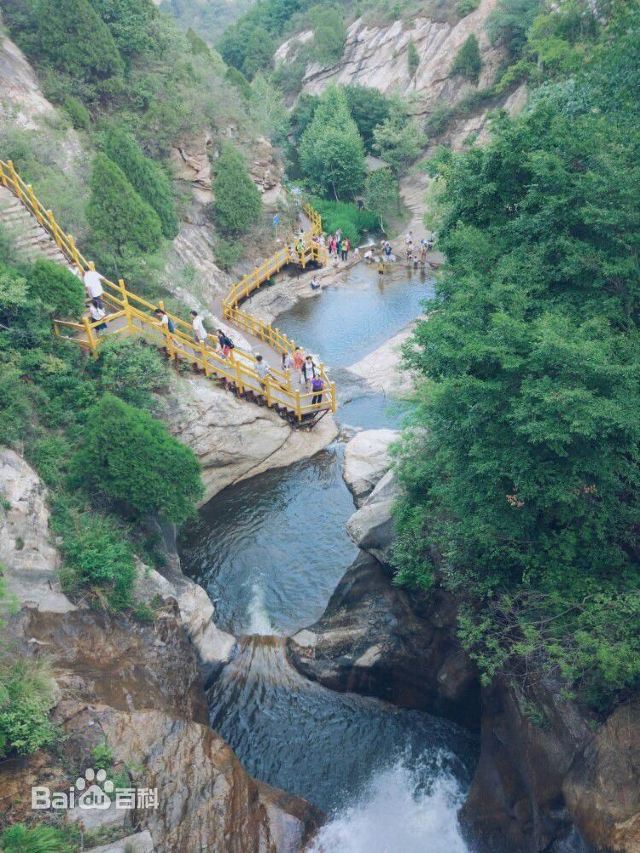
x=93, y=791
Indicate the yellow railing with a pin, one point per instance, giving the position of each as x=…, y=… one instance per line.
x=132, y=314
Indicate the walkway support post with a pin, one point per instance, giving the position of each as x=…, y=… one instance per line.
x=91, y=337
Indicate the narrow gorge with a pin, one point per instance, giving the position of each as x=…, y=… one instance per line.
x=348, y=564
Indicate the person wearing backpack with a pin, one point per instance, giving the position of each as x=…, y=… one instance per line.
x=166, y=323
x=226, y=344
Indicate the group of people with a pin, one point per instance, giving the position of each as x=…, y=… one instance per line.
x=304, y=366
x=338, y=246
x=417, y=254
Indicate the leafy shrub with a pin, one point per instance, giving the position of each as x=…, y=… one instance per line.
x=348, y=217
x=116, y=213
x=35, y=839
x=26, y=696
x=238, y=79
x=131, y=370
x=465, y=7
x=413, y=58
x=102, y=756
x=130, y=458
x=509, y=23
x=132, y=24
x=237, y=203
x=15, y=406
x=98, y=560
x=77, y=112
x=49, y=456
x=329, y=33
x=59, y=291
x=228, y=253
x=147, y=177
x=468, y=62
x=398, y=141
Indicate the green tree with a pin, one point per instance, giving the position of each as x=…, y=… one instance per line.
x=259, y=49
x=58, y=290
x=237, y=204
x=147, y=177
x=331, y=149
x=468, y=62
x=413, y=58
x=521, y=485
x=381, y=194
x=398, y=142
x=116, y=213
x=132, y=371
x=509, y=23
x=129, y=457
x=368, y=108
x=73, y=39
x=132, y=24
x=329, y=33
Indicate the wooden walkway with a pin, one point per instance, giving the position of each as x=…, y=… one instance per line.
x=130, y=314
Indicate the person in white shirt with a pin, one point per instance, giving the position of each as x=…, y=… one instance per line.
x=93, y=285
x=262, y=369
x=199, y=331
x=96, y=312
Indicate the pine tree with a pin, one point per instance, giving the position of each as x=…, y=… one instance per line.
x=72, y=38
x=146, y=177
x=468, y=61
x=331, y=149
x=238, y=204
x=116, y=213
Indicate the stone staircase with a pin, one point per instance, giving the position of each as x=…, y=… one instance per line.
x=29, y=239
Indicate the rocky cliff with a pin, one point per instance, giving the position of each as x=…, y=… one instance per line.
x=137, y=687
x=376, y=55
x=552, y=776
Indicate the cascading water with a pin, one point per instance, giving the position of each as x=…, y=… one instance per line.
x=270, y=551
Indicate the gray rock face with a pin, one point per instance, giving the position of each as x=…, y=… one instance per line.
x=371, y=527
x=381, y=368
x=373, y=639
x=27, y=557
x=234, y=439
x=516, y=800
x=366, y=461
x=376, y=56
x=602, y=789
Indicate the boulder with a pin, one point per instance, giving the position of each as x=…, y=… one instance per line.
x=139, y=842
x=529, y=742
x=376, y=640
x=371, y=527
x=28, y=560
x=381, y=369
x=602, y=788
x=367, y=460
x=235, y=439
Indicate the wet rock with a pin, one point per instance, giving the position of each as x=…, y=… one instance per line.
x=235, y=439
x=381, y=369
x=602, y=789
x=27, y=558
x=367, y=460
x=373, y=639
x=529, y=743
x=371, y=527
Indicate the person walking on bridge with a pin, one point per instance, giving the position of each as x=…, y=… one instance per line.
x=93, y=285
x=199, y=331
x=226, y=344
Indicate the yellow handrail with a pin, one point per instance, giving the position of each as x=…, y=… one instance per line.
x=134, y=314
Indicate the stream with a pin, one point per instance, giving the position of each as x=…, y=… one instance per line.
x=270, y=551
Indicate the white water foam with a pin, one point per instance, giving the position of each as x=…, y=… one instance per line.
x=393, y=815
x=259, y=621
